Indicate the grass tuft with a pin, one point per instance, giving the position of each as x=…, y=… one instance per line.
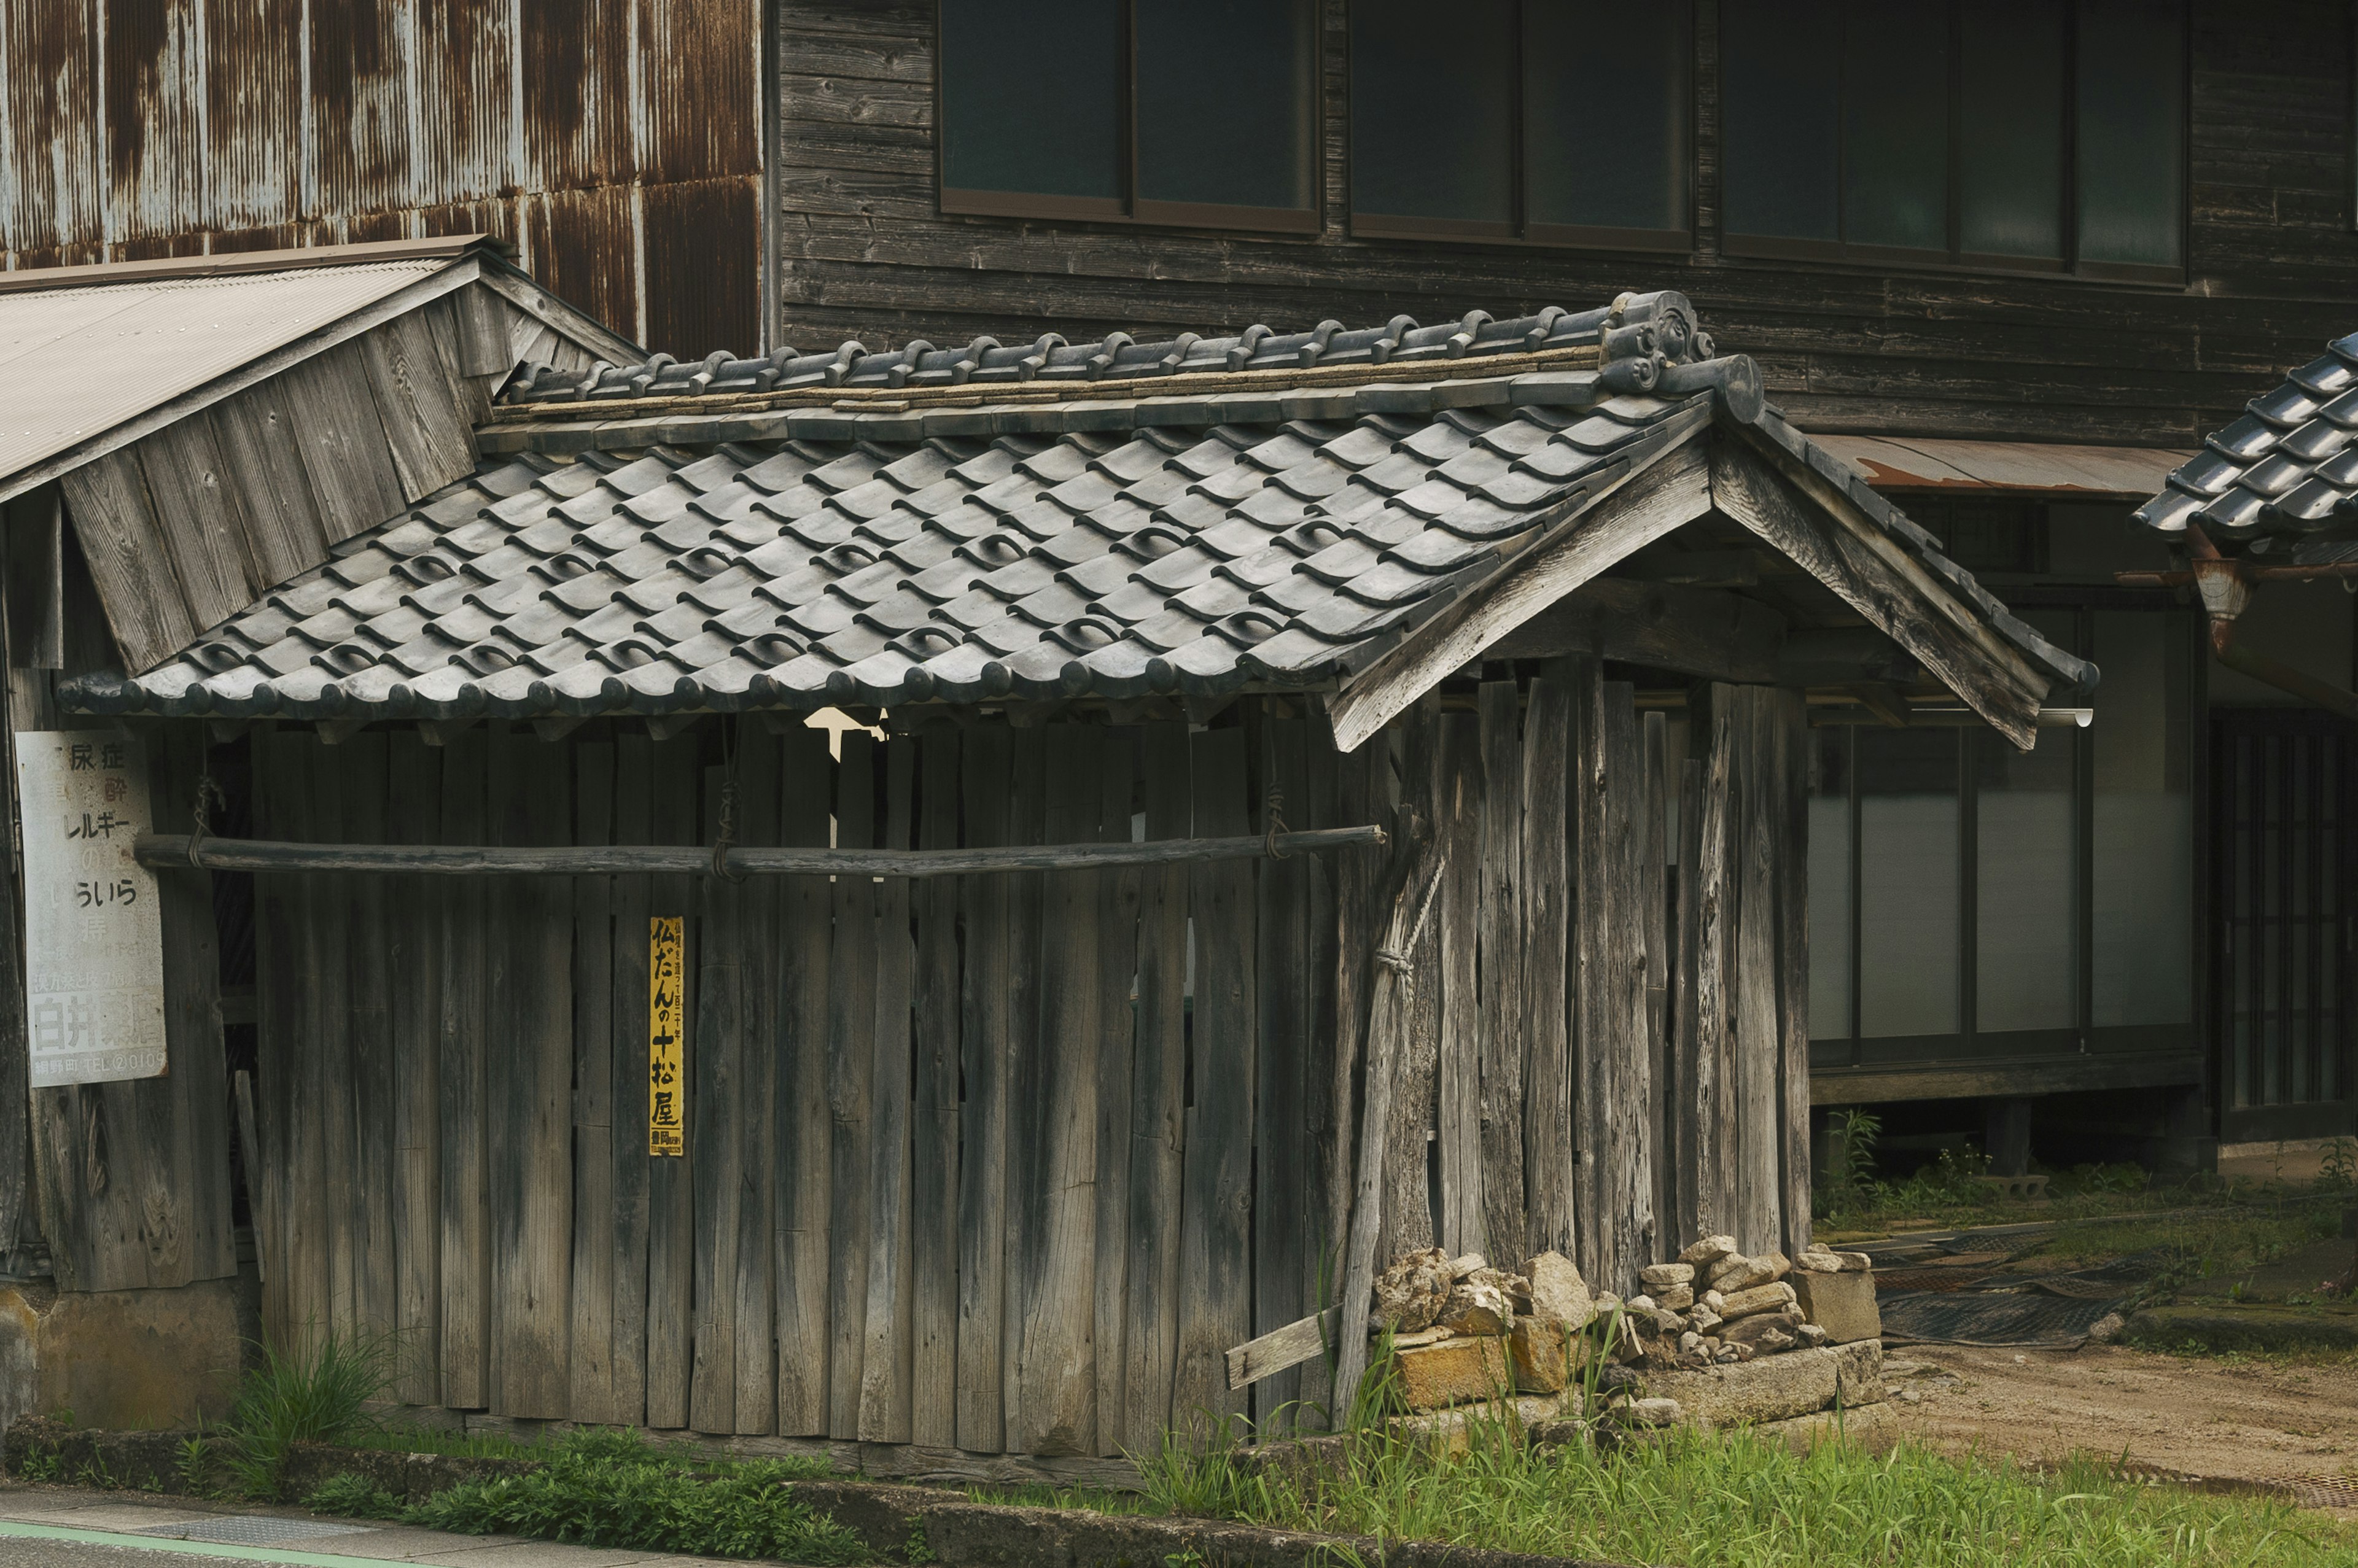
x=317, y=1395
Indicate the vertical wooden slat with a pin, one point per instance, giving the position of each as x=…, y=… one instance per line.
x=626, y=1047
x=1284, y=1207
x=1157, y=1134
x=278, y=801
x=1626, y=1158
x=674, y=794
x=934, y=1261
x=1757, y=1046
x=414, y=954
x=1056, y=1401
x=1692, y=1152
x=531, y=998
x=1408, y=1218
x=852, y=1034
x=361, y=767
x=1216, y=1229
x=1118, y=896
x=1716, y=1163
x=805, y=1119
x=1458, y=1073
x=1327, y=1141
x=465, y=1163
x=1501, y=939
x=1595, y=1048
x=756, y=1109
x=1026, y=809
x=983, y=1047
x=1790, y=727
x=888, y=1341
x=595, y=1205
x=715, y=1067
x=1653, y=908
x=1550, y=1167
x=326, y=1137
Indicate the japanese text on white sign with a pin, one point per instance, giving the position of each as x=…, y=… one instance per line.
x=93, y=926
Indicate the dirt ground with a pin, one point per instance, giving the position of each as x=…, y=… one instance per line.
x=2218, y=1420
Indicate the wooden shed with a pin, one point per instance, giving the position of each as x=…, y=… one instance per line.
x=1289, y=796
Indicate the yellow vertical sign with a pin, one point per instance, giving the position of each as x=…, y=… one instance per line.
x=667, y=1015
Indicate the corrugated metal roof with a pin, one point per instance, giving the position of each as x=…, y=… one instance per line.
x=76, y=362
x=1894, y=463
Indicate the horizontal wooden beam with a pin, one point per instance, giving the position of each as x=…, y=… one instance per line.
x=2071, y=1074
x=1692, y=630
x=167, y=851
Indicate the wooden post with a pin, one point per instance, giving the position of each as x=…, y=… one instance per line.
x=631, y=1181
x=1654, y=904
x=674, y=790
x=983, y=1046
x=594, y=1096
x=852, y=1034
x=1284, y=1207
x=1789, y=716
x=715, y=1072
x=466, y=1147
x=1626, y=1161
x=933, y=1277
x=1501, y=938
x=1158, y=1106
x=888, y=1344
x=757, y=1127
x=360, y=767
x=1460, y=823
x=1408, y=1202
x=1551, y=1156
x=414, y=954
x=1118, y=890
x=805, y=1122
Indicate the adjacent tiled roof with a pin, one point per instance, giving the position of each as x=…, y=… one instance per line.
x=1148, y=547
x=2283, y=476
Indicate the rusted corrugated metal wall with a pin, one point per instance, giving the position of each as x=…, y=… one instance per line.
x=617, y=143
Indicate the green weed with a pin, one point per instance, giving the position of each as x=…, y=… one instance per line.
x=42, y=1462
x=354, y=1497
x=317, y=1395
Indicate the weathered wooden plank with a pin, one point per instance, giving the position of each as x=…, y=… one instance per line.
x=1714, y=1160
x=205, y=1247
x=1691, y=631
x=326, y=1138
x=1328, y=1138
x=756, y=1109
x=1362, y=792
x=936, y=1123
x=1686, y=1116
x=1281, y=1349
x=1118, y=898
x=263, y=460
x=461, y=1027
x=887, y=1352
x=1626, y=1158
x=1789, y=722
x=1216, y=1228
x=1596, y=1059
x=1285, y=1206
x=423, y=417
x=361, y=767
x=674, y=795
x=1408, y=1188
x=1056, y=1410
x=413, y=952
x=18, y=1215
x=1653, y=902
x=594, y=1094
x=1551, y=1158
x=1026, y=814
x=334, y=417
x=805, y=1119
x=36, y=587
x=203, y=520
x=1157, y=1131
x=1758, y=1050
x=278, y=1013
x=715, y=1069
x=530, y=1001
x=984, y=1051
x=851, y=1063
x=122, y=540
x=626, y=1232
x=473, y=393
x=1458, y=1068
x=1500, y=924
x=483, y=331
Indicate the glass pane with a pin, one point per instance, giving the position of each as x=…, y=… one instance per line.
x=1896, y=125
x=2010, y=82
x=1830, y=882
x=2144, y=826
x=2132, y=92
x=1907, y=890
x=1780, y=96
x=1637, y=177
x=1224, y=102
x=1000, y=130
x=2025, y=920
x=1433, y=110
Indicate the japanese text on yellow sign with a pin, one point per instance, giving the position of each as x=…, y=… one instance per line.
x=666, y=1013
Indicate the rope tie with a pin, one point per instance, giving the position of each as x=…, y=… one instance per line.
x=1273, y=816
x=1392, y=959
x=726, y=837
x=207, y=789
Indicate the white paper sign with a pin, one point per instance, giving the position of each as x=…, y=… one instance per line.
x=93, y=926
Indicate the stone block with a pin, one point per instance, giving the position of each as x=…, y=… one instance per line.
x=1558, y=1294
x=1842, y=1305
x=1656, y=1275
x=1759, y=1298
x=1456, y=1371
x=1858, y=1373
x=1545, y=1356
x=126, y=1360
x=1767, y=1389
x=1705, y=1255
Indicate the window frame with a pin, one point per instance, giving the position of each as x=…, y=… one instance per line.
x=1521, y=230
x=1772, y=247
x=1130, y=209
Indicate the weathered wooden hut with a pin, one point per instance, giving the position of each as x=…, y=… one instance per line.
x=1295, y=794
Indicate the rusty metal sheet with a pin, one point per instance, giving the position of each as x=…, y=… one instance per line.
x=75, y=362
x=1907, y=462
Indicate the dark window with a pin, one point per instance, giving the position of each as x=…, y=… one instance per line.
x=1161, y=110
x=1499, y=119
x=2009, y=133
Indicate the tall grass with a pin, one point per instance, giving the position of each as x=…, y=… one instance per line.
x=1736, y=1500
x=318, y=1394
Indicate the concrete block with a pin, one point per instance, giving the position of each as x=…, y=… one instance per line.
x=1842, y=1305
x=125, y=1360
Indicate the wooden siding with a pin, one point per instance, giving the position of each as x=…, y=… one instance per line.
x=616, y=144
x=970, y=1165
x=866, y=251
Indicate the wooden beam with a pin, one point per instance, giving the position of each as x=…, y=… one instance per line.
x=1825, y=532
x=168, y=850
x=1282, y=1348
x=1666, y=493
x=1692, y=630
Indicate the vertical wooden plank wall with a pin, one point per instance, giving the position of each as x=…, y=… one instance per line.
x=973, y=1165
